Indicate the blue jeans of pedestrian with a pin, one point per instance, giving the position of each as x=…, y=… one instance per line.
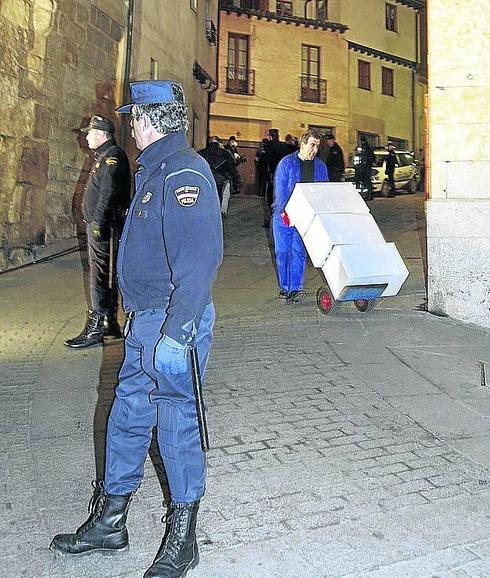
x=290, y=255
x=146, y=398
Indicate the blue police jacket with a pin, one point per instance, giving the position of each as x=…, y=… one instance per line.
x=288, y=173
x=172, y=242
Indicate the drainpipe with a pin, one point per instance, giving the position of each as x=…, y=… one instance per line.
x=127, y=69
x=210, y=93
x=414, y=95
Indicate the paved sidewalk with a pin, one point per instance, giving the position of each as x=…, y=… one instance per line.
x=352, y=444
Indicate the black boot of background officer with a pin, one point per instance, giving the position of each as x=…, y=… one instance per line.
x=105, y=529
x=92, y=333
x=178, y=552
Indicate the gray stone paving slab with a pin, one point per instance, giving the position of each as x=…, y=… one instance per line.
x=444, y=416
x=476, y=448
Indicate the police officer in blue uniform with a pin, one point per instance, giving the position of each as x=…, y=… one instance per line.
x=302, y=166
x=170, y=249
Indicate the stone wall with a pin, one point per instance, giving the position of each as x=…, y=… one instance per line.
x=458, y=211
x=60, y=62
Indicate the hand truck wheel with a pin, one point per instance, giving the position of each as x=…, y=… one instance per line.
x=365, y=304
x=325, y=301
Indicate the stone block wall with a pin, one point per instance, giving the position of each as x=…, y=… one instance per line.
x=458, y=210
x=60, y=62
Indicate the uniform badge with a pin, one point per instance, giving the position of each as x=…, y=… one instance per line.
x=187, y=196
x=146, y=198
x=111, y=161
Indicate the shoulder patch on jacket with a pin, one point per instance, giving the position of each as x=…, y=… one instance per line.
x=111, y=161
x=187, y=196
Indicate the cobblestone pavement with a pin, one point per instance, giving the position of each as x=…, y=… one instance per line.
x=347, y=445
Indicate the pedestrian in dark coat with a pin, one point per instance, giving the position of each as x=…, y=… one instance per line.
x=390, y=167
x=367, y=159
x=334, y=159
x=223, y=168
x=275, y=151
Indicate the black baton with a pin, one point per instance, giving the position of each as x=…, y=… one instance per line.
x=201, y=413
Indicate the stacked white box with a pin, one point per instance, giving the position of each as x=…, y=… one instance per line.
x=328, y=230
x=310, y=199
x=343, y=239
x=373, y=264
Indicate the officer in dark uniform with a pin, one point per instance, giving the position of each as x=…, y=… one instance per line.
x=223, y=167
x=275, y=150
x=390, y=167
x=170, y=250
x=333, y=157
x=107, y=196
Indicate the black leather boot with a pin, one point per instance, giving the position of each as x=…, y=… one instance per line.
x=104, y=531
x=111, y=327
x=178, y=553
x=92, y=334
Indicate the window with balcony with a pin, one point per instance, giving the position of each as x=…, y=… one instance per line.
x=364, y=74
x=239, y=77
x=313, y=88
x=322, y=10
x=387, y=81
x=391, y=17
x=284, y=8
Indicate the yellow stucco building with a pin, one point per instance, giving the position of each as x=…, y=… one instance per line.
x=348, y=66
x=178, y=42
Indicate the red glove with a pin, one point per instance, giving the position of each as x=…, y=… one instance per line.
x=285, y=219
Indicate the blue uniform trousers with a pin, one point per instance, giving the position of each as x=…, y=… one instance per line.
x=146, y=398
x=290, y=255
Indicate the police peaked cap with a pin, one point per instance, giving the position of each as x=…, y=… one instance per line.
x=99, y=123
x=154, y=92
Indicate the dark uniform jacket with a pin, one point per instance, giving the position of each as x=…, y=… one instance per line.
x=334, y=160
x=108, y=187
x=172, y=241
x=222, y=164
x=390, y=163
x=275, y=151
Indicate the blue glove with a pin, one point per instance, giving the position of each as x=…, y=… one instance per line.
x=170, y=356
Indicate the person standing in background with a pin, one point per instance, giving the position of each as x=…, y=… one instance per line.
x=334, y=159
x=106, y=197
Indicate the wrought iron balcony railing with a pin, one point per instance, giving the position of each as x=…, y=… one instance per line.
x=240, y=80
x=245, y=4
x=211, y=32
x=313, y=89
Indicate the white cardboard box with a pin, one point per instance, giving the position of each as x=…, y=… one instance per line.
x=309, y=199
x=373, y=264
x=327, y=230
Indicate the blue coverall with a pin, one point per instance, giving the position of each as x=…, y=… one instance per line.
x=170, y=249
x=288, y=244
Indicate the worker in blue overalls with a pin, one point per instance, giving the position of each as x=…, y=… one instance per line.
x=170, y=249
x=302, y=166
